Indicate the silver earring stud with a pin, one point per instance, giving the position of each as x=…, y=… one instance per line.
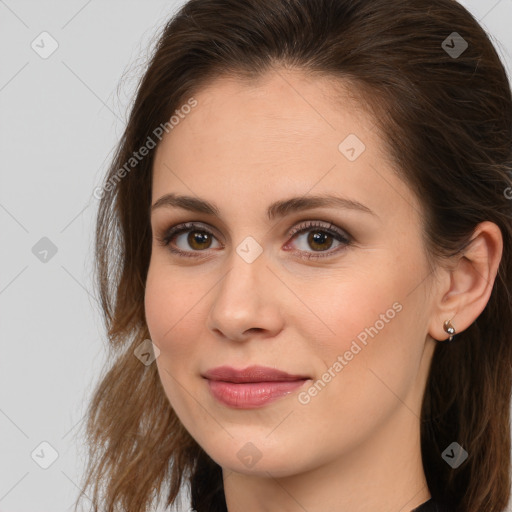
x=449, y=329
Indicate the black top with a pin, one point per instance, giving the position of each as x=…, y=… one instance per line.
x=431, y=506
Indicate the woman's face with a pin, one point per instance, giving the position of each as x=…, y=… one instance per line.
x=334, y=292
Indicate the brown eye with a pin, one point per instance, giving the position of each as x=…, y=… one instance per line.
x=191, y=240
x=320, y=240
x=199, y=240
x=187, y=239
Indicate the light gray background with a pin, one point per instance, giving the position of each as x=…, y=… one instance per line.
x=60, y=119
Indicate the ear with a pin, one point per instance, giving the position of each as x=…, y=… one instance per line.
x=465, y=288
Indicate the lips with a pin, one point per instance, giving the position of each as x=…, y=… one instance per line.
x=251, y=387
x=251, y=374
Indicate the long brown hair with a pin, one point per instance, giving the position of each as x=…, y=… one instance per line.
x=447, y=122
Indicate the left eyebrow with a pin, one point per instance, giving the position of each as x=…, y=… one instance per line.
x=285, y=207
x=275, y=210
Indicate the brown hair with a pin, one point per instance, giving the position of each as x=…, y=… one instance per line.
x=447, y=123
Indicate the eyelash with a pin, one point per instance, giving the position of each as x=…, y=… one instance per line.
x=339, y=235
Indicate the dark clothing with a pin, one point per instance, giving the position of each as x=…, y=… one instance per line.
x=431, y=506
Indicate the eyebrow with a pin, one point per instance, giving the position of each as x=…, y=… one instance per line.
x=275, y=210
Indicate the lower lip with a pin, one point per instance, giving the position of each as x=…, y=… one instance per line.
x=249, y=395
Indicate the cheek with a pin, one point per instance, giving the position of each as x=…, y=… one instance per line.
x=172, y=313
x=373, y=357
x=157, y=306
x=170, y=318
x=368, y=323
x=350, y=309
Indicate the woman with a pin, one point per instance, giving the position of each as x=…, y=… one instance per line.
x=304, y=260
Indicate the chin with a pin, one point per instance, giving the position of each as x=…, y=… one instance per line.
x=258, y=457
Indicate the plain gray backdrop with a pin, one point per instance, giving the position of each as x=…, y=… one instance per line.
x=61, y=115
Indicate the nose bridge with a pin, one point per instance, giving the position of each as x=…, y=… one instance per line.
x=243, y=299
x=241, y=285
x=248, y=263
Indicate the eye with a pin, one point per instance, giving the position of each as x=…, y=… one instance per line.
x=197, y=237
x=321, y=237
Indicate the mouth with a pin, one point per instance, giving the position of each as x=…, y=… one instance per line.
x=251, y=387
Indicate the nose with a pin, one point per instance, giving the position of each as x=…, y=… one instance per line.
x=245, y=302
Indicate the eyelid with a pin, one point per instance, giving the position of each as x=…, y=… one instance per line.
x=319, y=224
x=342, y=237
x=178, y=229
x=297, y=226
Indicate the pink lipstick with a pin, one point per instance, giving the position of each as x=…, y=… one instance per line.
x=251, y=387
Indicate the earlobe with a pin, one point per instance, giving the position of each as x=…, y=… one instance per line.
x=470, y=285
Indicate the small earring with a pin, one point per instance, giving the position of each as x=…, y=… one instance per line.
x=448, y=328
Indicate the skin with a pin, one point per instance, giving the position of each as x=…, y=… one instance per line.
x=356, y=444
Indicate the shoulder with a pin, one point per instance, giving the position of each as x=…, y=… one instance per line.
x=432, y=506
x=440, y=507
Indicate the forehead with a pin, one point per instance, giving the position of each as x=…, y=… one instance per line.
x=283, y=134
x=308, y=104
x=281, y=117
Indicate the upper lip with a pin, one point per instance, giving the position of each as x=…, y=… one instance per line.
x=250, y=374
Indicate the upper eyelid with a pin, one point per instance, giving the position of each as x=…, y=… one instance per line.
x=342, y=236
x=320, y=225
x=298, y=227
